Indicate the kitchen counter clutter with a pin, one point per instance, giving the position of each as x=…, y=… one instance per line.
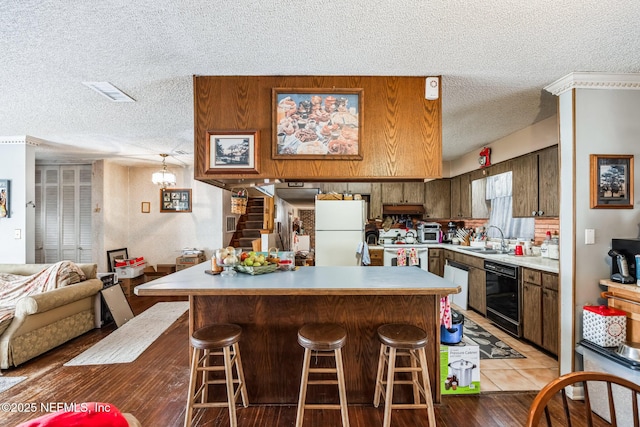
x=537, y=262
x=272, y=307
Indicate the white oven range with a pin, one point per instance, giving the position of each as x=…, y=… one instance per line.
x=394, y=240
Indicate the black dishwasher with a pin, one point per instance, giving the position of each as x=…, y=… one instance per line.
x=503, y=296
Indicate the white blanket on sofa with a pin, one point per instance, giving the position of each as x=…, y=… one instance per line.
x=14, y=287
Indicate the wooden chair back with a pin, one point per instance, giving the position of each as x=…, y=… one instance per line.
x=583, y=417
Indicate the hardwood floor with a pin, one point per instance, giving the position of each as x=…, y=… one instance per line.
x=154, y=388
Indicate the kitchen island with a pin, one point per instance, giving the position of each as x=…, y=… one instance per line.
x=272, y=307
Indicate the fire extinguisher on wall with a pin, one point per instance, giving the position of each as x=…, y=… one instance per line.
x=484, y=157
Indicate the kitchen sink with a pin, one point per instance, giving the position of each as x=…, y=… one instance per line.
x=480, y=250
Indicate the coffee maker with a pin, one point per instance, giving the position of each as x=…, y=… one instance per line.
x=452, y=229
x=624, y=250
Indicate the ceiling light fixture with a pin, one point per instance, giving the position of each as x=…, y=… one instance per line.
x=164, y=178
x=108, y=90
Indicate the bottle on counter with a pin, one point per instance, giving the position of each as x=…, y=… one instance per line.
x=544, y=247
x=554, y=247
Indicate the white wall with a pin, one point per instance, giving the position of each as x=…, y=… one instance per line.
x=17, y=165
x=159, y=236
x=606, y=122
x=532, y=138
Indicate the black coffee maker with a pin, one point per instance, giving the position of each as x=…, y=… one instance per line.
x=623, y=259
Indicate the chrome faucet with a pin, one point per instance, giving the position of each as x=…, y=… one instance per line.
x=503, y=246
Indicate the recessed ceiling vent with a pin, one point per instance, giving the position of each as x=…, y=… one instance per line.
x=108, y=90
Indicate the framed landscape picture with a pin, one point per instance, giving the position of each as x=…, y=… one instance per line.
x=5, y=193
x=611, y=181
x=317, y=123
x=175, y=200
x=232, y=151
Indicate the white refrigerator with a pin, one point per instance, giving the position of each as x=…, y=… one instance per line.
x=339, y=231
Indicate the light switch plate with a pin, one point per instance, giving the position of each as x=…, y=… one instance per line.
x=17, y=233
x=589, y=236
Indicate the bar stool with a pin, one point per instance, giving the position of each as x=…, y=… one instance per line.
x=411, y=340
x=224, y=338
x=327, y=340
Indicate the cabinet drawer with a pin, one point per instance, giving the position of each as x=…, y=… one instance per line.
x=376, y=254
x=550, y=281
x=435, y=253
x=469, y=260
x=532, y=276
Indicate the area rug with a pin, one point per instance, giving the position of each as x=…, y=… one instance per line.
x=491, y=347
x=7, y=382
x=126, y=343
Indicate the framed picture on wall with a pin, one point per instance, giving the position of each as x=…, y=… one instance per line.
x=5, y=193
x=611, y=181
x=232, y=151
x=317, y=123
x=175, y=200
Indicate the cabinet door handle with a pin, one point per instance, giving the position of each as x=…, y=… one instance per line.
x=540, y=213
x=534, y=213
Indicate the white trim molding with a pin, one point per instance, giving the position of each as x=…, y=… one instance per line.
x=25, y=139
x=591, y=80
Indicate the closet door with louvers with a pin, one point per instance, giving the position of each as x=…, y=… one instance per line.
x=63, y=214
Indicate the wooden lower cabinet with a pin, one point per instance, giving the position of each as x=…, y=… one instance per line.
x=532, y=312
x=376, y=256
x=550, y=312
x=436, y=261
x=478, y=290
x=540, y=314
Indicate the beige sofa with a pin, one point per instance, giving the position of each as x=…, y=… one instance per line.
x=46, y=320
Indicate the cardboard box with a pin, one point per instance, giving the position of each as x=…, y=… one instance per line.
x=457, y=365
x=603, y=325
x=130, y=272
x=329, y=196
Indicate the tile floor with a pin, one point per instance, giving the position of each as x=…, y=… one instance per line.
x=529, y=374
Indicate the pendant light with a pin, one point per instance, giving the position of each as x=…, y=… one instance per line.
x=163, y=178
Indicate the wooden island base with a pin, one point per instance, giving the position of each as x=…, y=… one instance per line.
x=272, y=357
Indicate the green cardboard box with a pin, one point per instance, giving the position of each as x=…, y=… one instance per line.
x=459, y=369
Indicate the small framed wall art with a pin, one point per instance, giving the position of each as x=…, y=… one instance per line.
x=611, y=181
x=145, y=207
x=317, y=123
x=5, y=193
x=232, y=151
x=175, y=200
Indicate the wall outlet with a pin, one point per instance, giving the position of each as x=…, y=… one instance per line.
x=17, y=234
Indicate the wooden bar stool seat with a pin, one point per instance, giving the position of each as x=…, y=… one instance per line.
x=224, y=338
x=325, y=340
x=411, y=341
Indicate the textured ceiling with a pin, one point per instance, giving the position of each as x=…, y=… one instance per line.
x=494, y=59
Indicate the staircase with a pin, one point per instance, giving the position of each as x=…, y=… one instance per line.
x=249, y=225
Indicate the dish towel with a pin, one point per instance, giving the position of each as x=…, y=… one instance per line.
x=445, y=312
x=401, y=257
x=363, y=250
x=413, y=257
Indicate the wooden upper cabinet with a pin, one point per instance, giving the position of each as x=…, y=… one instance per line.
x=392, y=193
x=548, y=179
x=413, y=192
x=461, y=196
x=535, y=184
x=437, y=198
x=403, y=192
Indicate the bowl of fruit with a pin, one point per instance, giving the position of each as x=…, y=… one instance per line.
x=228, y=258
x=255, y=263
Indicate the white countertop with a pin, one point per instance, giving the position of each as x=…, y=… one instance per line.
x=535, y=262
x=303, y=281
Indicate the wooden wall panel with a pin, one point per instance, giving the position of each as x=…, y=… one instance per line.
x=401, y=130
